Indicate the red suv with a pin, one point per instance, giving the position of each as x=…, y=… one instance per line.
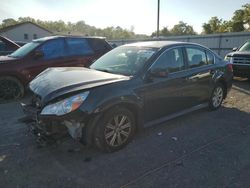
x=20, y=67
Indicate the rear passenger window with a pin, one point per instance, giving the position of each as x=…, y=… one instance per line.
x=196, y=57
x=77, y=47
x=210, y=58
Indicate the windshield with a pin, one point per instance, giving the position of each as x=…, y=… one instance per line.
x=24, y=50
x=125, y=60
x=245, y=47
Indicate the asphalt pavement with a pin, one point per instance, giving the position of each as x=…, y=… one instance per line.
x=200, y=149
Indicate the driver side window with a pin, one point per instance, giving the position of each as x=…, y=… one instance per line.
x=171, y=60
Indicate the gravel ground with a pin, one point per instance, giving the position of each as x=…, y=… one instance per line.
x=201, y=149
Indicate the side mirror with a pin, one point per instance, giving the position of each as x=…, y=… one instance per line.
x=234, y=49
x=38, y=54
x=159, y=73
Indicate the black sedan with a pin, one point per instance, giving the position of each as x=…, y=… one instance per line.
x=131, y=87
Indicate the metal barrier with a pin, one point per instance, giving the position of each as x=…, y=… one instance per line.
x=220, y=43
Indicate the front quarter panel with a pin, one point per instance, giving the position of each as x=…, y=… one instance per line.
x=104, y=97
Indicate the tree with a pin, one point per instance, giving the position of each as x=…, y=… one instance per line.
x=179, y=29
x=214, y=25
x=78, y=28
x=207, y=29
x=226, y=26
x=182, y=29
x=246, y=9
x=26, y=19
x=8, y=22
x=237, y=23
x=164, y=32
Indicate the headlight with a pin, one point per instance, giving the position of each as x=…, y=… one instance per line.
x=229, y=59
x=65, y=106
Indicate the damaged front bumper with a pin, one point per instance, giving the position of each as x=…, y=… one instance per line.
x=51, y=127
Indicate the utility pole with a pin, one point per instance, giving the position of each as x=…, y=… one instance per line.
x=158, y=19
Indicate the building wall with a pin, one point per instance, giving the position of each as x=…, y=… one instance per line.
x=17, y=33
x=220, y=43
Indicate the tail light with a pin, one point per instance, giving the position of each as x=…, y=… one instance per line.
x=230, y=67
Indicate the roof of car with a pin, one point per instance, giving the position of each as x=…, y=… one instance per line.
x=155, y=44
x=65, y=36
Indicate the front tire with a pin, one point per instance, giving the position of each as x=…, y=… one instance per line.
x=115, y=129
x=10, y=89
x=217, y=97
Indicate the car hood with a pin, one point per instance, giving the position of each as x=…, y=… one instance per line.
x=6, y=59
x=55, y=82
x=239, y=54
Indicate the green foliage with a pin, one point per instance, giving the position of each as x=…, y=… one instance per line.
x=78, y=28
x=207, y=29
x=239, y=22
x=8, y=22
x=182, y=29
x=179, y=29
x=164, y=32
x=215, y=24
x=246, y=16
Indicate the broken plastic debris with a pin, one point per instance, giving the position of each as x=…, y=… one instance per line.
x=179, y=163
x=174, y=138
x=2, y=157
x=243, y=132
x=159, y=134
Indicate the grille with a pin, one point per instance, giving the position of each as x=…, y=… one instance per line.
x=36, y=102
x=241, y=60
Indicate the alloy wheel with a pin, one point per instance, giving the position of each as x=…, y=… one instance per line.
x=217, y=97
x=117, y=130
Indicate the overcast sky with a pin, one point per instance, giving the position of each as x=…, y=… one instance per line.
x=142, y=14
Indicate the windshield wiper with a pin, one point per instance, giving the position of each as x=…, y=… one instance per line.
x=12, y=56
x=109, y=71
x=105, y=70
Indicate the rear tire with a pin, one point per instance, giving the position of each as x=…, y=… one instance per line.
x=216, y=97
x=114, y=130
x=10, y=89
